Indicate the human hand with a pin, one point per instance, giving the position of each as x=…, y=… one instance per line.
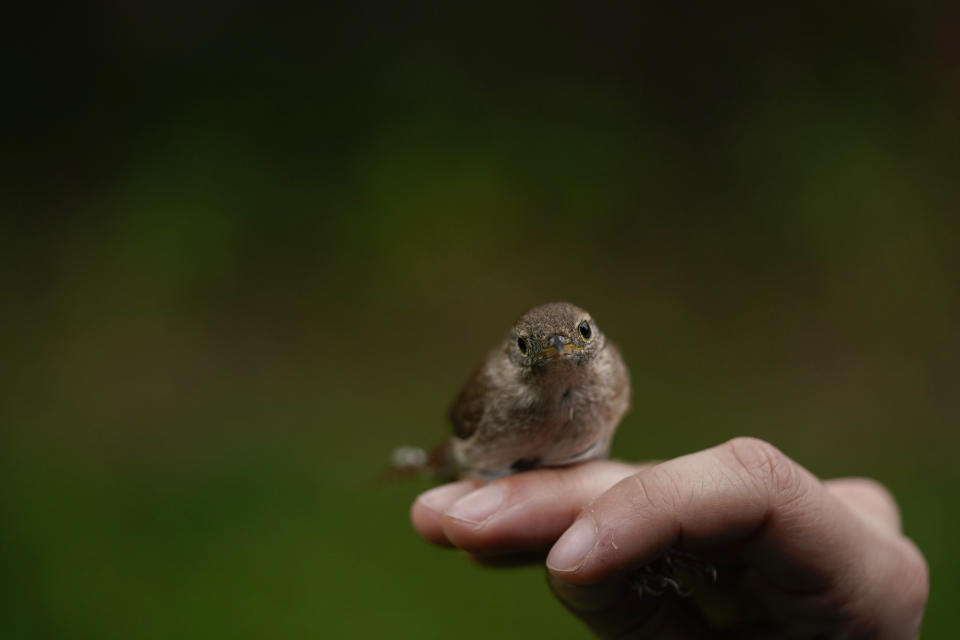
x=798, y=557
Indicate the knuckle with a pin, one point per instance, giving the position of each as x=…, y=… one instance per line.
x=916, y=578
x=644, y=495
x=870, y=496
x=881, y=496
x=764, y=467
x=655, y=489
x=875, y=487
x=895, y=594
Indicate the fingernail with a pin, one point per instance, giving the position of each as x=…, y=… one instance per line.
x=573, y=546
x=478, y=506
x=442, y=497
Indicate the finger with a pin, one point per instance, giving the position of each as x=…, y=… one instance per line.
x=715, y=497
x=791, y=531
x=528, y=511
x=426, y=513
x=870, y=499
x=613, y=608
x=540, y=490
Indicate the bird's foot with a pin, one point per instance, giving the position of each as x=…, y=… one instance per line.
x=672, y=573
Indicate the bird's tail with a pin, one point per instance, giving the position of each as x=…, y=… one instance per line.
x=415, y=461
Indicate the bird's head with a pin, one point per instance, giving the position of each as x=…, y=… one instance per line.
x=553, y=332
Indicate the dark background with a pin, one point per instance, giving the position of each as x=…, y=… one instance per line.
x=245, y=252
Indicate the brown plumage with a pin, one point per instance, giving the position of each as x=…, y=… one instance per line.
x=550, y=394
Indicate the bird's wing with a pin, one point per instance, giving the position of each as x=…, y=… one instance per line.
x=467, y=410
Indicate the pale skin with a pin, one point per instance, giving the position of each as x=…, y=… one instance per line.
x=799, y=557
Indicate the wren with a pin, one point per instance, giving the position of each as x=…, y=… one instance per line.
x=550, y=394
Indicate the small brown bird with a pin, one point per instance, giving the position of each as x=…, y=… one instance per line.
x=551, y=394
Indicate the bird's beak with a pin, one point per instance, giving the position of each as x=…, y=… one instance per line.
x=559, y=345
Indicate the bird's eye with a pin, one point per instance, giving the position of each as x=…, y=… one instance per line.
x=522, y=345
x=585, y=330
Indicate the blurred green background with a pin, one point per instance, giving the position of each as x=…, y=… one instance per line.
x=247, y=251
